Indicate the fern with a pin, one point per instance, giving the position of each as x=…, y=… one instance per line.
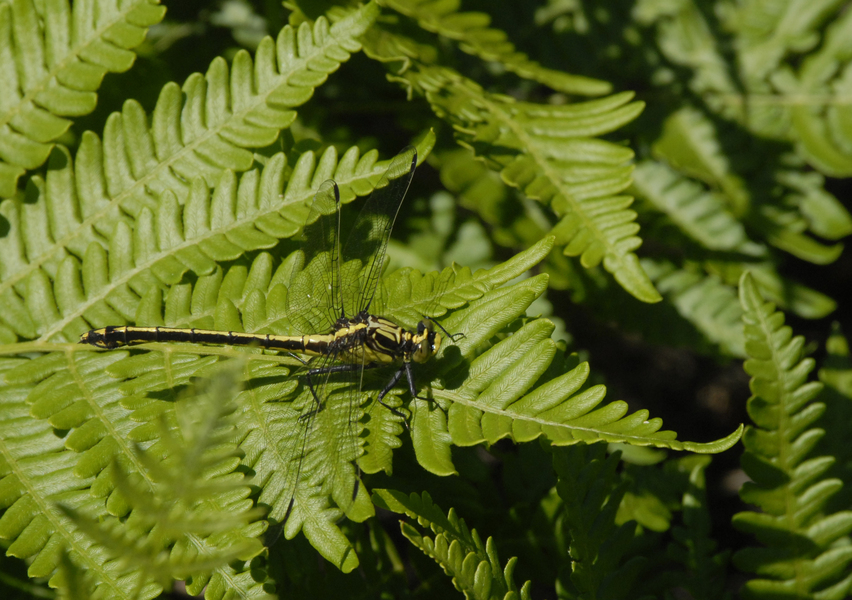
x=471, y=30
x=807, y=549
x=191, y=515
x=137, y=178
x=109, y=285
x=590, y=491
x=707, y=303
x=475, y=567
x=54, y=58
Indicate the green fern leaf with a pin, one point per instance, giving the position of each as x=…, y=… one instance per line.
x=148, y=174
x=54, y=56
x=239, y=215
x=475, y=567
x=549, y=152
x=694, y=547
x=807, y=550
x=700, y=214
x=703, y=300
x=591, y=491
x=471, y=30
x=689, y=143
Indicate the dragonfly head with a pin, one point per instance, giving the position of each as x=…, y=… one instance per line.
x=427, y=341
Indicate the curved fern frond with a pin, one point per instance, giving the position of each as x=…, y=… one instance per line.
x=475, y=37
x=511, y=391
x=106, y=286
x=199, y=131
x=806, y=548
x=550, y=154
x=54, y=56
x=475, y=567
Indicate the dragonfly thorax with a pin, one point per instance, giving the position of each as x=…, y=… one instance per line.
x=368, y=338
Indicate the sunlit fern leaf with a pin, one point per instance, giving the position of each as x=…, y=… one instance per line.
x=191, y=513
x=472, y=31
x=475, y=567
x=53, y=57
x=550, y=154
x=804, y=547
x=106, y=285
x=108, y=400
x=703, y=300
x=139, y=177
x=507, y=391
x=37, y=472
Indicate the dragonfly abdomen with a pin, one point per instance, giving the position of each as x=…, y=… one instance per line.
x=116, y=337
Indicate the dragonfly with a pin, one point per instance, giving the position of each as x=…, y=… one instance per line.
x=330, y=300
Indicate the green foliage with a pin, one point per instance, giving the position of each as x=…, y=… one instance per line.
x=807, y=549
x=54, y=58
x=475, y=568
x=690, y=149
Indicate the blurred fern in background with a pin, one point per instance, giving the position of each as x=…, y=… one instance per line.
x=615, y=199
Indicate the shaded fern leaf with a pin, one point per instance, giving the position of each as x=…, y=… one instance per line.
x=703, y=300
x=693, y=546
x=591, y=491
x=691, y=142
x=700, y=214
x=806, y=548
x=472, y=31
x=787, y=79
x=139, y=176
x=54, y=56
x=475, y=567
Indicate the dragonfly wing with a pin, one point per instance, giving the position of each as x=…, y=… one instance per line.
x=363, y=255
x=314, y=292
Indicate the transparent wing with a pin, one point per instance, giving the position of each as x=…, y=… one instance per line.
x=314, y=292
x=363, y=255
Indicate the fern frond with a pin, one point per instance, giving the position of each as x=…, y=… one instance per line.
x=475, y=567
x=38, y=472
x=191, y=514
x=591, y=491
x=694, y=547
x=109, y=400
x=138, y=171
x=690, y=143
x=507, y=392
x=806, y=549
x=703, y=300
x=549, y=152
x=54, y=56
x=241, y=214
x=698, y=213
x=472, y=31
